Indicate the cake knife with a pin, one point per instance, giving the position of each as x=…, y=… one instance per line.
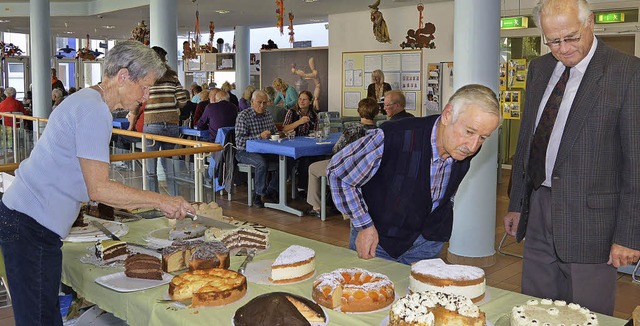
x=243, y=266
x=110, y=234
x=105, y=230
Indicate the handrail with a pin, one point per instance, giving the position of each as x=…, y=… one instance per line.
x=195, y=147
x=9, y=168
x=165, y=153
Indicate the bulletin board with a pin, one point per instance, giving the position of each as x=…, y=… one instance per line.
x=402, y=70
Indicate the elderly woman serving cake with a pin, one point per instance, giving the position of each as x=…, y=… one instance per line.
x=70, y=165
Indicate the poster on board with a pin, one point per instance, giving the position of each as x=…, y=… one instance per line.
x=517, y=73
x=510, y=104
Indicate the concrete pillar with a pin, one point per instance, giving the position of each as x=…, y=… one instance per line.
x=40, y=38
x=243, y=50
x=163, y=28
x=476, y=59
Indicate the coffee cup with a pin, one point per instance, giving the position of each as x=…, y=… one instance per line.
x=275, y=137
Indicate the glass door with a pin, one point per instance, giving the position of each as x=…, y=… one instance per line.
x=67, y=73
x=17, y=75
x=91, y=73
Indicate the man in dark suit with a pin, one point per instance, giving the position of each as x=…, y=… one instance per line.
x=579, y=201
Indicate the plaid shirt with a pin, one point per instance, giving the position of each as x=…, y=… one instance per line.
x=249, y=125
x=356, y=164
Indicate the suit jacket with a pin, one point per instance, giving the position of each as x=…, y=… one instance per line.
x=595, y=191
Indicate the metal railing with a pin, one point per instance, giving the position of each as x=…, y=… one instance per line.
x=22, y=144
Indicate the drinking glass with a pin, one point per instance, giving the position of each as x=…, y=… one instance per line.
x=291, y=135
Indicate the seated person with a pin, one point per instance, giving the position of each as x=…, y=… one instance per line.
x=394, y=105
x=255, y=122
x=219, y=113
x=205, y=95
x=368, y=108
x=277, y=112
x=302, y=119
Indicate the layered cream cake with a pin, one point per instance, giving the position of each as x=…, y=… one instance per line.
x=143, y=266
x=435, y=308
x=547, y=312
x=240, y=235
x=436, y=275
x=111, y=250
x=294, y=264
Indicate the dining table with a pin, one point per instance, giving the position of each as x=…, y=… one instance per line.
x=143, y=308
x=121, y=123
x=295, y=148
x=199, y=134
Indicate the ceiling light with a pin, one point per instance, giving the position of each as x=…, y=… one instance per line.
x=222, y=12
x=310, y=1
x=314, y=20
x=108, y=26
x=68, y=32
x=4, y=21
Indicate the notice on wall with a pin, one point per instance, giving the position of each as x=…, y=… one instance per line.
x=358, y=77
x=411, y=62
x=510, y=104
x=391, y=62
x=348, y=78
x=411, y=101
x=351, y=100
x=372, y=62
x=517, y=73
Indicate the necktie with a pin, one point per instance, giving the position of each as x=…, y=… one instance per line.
x=543, y=131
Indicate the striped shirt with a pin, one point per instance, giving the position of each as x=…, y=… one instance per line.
x=356, y=164
x=249, y=125
x=166, y=96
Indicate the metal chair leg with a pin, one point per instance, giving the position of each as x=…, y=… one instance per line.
x=323, y=197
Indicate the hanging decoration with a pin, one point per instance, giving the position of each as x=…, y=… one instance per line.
x=291, y=33
x=210, y=44
x=423, y=36
x=280, y=12
x=380, y=30
x=140, y=33
x=190, y=47
x=86, y=53
x=9, y=50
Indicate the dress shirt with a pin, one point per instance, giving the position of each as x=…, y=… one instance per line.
x=577, y=72
x=249, y=125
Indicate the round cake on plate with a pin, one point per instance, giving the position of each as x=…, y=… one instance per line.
x=550, y=312
x=353, y=290
x=436, y=275
x=435, y=308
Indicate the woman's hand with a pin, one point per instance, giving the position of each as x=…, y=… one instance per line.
x=176, y=207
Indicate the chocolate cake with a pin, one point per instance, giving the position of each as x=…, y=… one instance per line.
x=100, y=210
x=143, y=266
x=279, y=308
x=111, y=250
x=195, y=255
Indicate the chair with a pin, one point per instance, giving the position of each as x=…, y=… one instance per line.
x=249, y=170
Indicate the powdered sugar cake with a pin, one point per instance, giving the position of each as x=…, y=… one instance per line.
x=294, y=264
x=436, y=275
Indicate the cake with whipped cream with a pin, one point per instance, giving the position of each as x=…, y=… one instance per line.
x=435, y=308
x=436, y=275
x=240, y=235
x=547, y=312
x=295, y=263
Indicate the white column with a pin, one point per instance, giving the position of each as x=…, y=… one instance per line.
x=40, y=38
x=243, y=50
x=476, y=59
x=163, y=28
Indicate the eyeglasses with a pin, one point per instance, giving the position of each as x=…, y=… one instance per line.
x=388, y=105
x=556, y=43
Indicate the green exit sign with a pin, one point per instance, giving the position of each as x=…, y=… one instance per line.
x=610, y=17
x=514, y=22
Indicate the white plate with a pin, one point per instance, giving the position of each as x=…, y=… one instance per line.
x=91, y=258
x=260, y=271
x=160, y=238
x=95, y=316
x=91, y=233
x=385, y=322
x=121, y=283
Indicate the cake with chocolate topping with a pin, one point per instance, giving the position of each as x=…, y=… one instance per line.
x=240, y=235
x=279, y=308
x=435, y=308
x=111, y=250
x=195, y=255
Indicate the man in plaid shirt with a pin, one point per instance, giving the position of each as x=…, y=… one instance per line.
x=397, y=183
x=256, y=123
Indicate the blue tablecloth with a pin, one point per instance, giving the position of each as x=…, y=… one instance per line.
x=121, y=123
x=204, y=134
x=296, y=148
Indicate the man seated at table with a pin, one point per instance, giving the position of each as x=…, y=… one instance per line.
x=382, y=180
x=255, y=122
x=394, y=103
x=219, y=113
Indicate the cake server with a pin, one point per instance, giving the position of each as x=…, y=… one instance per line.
x=105, y=230
x=243, y=266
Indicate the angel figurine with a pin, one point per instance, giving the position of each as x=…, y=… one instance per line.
x=380, y=30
